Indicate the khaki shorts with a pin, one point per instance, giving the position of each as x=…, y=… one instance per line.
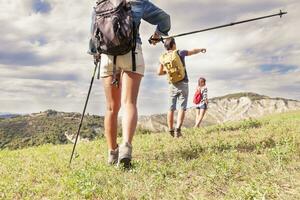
x=179, y=93
x=124, y=63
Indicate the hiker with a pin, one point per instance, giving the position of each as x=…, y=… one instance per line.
x=126, y=72
x=172, y=64
x=202, y=101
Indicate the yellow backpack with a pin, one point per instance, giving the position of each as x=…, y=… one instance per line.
x=173, y=65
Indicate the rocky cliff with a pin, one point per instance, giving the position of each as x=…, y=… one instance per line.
x=233, y=107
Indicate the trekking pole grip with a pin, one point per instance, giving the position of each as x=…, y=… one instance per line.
x=151, y=39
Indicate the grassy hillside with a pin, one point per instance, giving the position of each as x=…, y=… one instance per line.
x=254, y=159
x=46, y=128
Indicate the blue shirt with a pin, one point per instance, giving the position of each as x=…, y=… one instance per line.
x=183, y=54
x=144, y=9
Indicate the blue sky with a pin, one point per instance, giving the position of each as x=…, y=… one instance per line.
x=41, y=6
x=44, y=65
x=278, y=68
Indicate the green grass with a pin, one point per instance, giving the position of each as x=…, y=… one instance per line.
x=253, y=159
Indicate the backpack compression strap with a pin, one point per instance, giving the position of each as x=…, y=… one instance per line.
x=134, y=48
x=115, y=81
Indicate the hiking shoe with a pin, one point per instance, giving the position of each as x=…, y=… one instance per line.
x=178, y=133
x=113, y=156
x=171, y=132
x=125, y=157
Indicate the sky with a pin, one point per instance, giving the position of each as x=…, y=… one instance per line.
x=44, y=64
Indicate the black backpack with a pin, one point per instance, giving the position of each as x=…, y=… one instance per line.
x=114, y=29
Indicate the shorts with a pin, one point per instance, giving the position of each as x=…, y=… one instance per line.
x=202, y=107
x=124, y=63
x=179, y=93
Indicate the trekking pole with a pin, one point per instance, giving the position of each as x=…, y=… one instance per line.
x=217, y=27
x=96, y=62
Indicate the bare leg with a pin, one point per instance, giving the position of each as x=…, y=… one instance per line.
x=200, y=117
x=171, y=120
x=196, y=118
x=113, y=104
x=131, y=84
x=180, y=118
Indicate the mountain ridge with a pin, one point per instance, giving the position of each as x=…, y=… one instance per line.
x=231, y=107
x=5, y=115
x=59, y=127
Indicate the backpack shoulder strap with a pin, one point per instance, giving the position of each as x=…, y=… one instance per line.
x=181, y=60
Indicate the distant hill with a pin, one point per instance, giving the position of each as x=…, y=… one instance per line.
x=232, y=107
x=59, y=127
x=46, y=127
x=7, y=115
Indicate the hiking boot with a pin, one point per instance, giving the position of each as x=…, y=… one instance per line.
x=113, y=156
x=178, y=133
x=171, y=132
x=125, y=152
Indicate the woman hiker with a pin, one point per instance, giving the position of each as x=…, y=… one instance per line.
x=201, y=108
x=129, y=82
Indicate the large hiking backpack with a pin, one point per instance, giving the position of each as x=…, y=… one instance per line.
x=173, y=65
x=114, y=30
x=113, y=27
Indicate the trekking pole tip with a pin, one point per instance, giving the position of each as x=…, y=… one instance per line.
x=282, y=13
x=70, y=162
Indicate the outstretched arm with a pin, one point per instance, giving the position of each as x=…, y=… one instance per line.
x=161, y=70
x=196, y=51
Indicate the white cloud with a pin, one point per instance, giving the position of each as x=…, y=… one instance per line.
x=43, y=60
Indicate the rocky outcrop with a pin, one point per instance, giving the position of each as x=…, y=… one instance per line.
x=232, y=107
